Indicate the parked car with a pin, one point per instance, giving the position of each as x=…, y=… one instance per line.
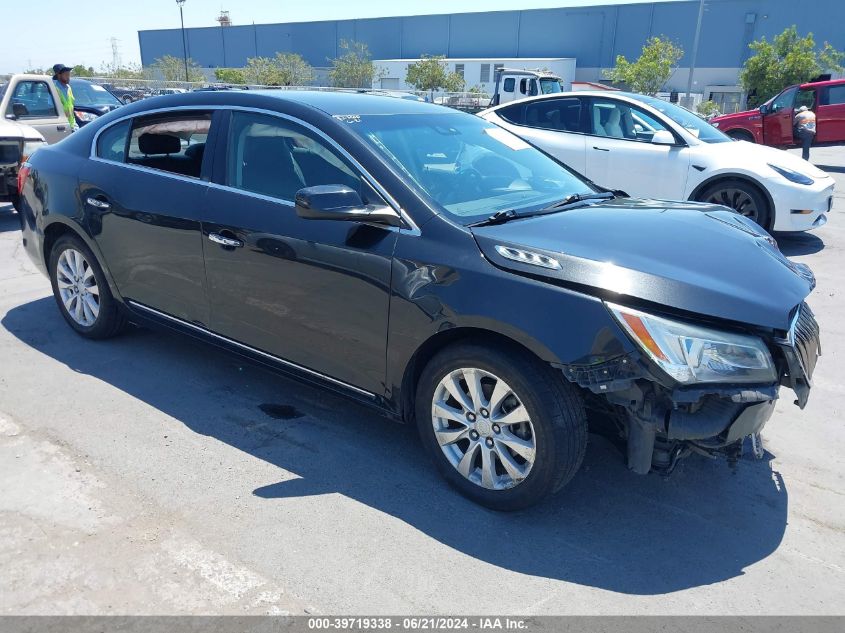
x=433, y=265
x=651, y=148
x=17, y=142
x=771, y=123
x=91, y=100
x=34, y=101
x=128, y=94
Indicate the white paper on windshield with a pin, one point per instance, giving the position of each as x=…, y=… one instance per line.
x=97, y=88
x=506, y=138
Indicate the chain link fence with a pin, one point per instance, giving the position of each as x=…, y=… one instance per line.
x=131, y=90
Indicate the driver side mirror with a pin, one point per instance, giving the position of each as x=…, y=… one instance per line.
x=764, y=109
x=663, y=137
x=19, y=110
x=339, y=202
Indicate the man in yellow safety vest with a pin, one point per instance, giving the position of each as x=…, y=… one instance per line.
x=61, y=77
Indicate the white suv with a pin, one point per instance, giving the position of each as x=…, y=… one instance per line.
x=650, y=148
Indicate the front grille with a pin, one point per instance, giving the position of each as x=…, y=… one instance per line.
x=805, y=339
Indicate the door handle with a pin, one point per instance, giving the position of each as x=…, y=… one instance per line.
x=225, y=241
x=601, y=149
x=97, y=203
x=61, y=128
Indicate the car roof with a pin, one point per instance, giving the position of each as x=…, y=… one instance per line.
x=337, y=103
x=610, y=94
x=821, y=84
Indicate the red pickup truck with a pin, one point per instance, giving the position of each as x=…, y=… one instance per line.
x=771, y=124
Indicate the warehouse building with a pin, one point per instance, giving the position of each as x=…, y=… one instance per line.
x=592, y=35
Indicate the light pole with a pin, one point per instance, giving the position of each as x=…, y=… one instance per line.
x=694, y=52
x=184, y=42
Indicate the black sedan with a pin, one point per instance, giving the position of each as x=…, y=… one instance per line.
x=432, y=265
x=91, y=101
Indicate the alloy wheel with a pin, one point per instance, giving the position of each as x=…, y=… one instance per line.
x=483, y=428
x=738, y=200
x=78, y=287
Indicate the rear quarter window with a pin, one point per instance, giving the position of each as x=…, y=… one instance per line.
x=111, y=144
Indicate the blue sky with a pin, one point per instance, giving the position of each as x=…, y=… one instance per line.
x=41, y=33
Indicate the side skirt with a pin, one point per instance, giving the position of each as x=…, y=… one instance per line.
x=145, y=315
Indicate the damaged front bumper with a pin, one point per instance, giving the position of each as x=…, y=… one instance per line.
x=661, y=422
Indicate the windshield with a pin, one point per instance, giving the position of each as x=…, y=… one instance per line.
x=686, y=119
x=549, y=86
x=470, y=168
x=88, y=94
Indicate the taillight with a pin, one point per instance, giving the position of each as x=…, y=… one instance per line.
x=23, y=174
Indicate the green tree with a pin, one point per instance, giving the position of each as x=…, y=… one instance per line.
x=80, y=70
x=230, y=75
x=131, y=71
x=172, y=68
x=354, y=68
x=294, y=70
x=707, y=108
x=650, y=72
x=788, y=59
x=427, y=74
x=262, y=71
x=454, y=82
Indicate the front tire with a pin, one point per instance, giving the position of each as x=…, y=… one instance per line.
x=81, y=290
x=740, y=196
x=502, y=427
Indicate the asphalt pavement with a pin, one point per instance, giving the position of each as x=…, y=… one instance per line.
x=152, y=474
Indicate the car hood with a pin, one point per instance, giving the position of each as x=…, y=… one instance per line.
x=757, y=158
x=735, y=117
x=11, y=129
x=691, y=257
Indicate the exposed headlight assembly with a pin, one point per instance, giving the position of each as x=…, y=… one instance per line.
x=693, y=354
x=85, y=116
x=792, y=176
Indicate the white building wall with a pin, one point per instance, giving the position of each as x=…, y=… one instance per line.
x=394, y=71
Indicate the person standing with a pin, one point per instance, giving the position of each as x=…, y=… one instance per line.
x=61, y=78
x=805, y=128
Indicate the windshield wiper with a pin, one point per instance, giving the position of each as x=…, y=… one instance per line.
x=580, y=197
x=500, y=217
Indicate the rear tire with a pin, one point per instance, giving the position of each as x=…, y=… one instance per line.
x=81, y=290
x=466, y=441
x=15, y=199
x=740, y=196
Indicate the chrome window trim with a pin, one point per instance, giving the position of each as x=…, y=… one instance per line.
x=253, y=350
x=414, y=229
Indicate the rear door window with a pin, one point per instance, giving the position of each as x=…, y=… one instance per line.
x=172, y=142
x=833, y=95
x=562, y=115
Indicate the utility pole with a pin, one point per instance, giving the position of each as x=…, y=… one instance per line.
x=694, y=52
x=184, y=41
x=115, y=54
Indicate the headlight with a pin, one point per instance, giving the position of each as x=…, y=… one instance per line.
x=693, y=354
x=29, y=146
x=85, y=116
x=716, y=124
x=792, y=176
